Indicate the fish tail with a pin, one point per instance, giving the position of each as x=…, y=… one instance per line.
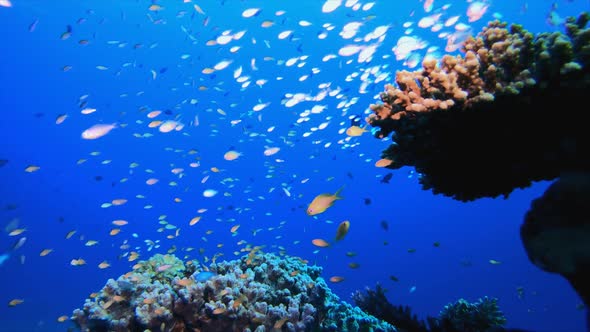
x=337, y=193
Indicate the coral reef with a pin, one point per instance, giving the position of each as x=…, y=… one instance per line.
x=375, y=302
x=502, y=115
x=461, y=316
x=471, y=317
x=556, y=231
x=259, y=292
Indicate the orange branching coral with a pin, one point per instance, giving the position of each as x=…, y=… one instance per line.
x=495, y=62
x=480, y=124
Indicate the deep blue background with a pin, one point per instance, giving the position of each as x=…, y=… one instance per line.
x=63, y=196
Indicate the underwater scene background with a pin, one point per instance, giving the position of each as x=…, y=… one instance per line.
x=209, y=129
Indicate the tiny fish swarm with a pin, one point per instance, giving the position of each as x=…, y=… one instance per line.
x=255, y=293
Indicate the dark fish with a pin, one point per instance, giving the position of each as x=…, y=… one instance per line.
x=66, y=34
x=349, y=175
x=386, y=178
x=163, y=70
x=520, y=292
x=10, y=207
x=384, y=225
x=98, y=178
x=33, y=25
x=367, y=201
x=466, y=263
x=3, y=162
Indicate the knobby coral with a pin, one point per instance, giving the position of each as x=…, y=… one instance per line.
x=460, y=316
x=472, y=317
x=505, y=113
x=259, y=292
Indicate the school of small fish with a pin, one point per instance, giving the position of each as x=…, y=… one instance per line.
x=240, y=61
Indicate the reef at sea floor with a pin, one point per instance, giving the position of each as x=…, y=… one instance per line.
x=484, y=315
x=258, y=292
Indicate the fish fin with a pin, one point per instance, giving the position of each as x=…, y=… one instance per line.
x=337, y=193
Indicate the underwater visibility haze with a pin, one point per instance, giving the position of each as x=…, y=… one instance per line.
x=333, y=165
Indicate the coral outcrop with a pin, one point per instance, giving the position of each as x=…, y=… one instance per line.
x=259, y=292
x=556, y=231
x=483, y=315
x=507, y=112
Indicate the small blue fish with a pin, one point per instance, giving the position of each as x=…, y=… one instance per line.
x=4, y=258
x=204, y=276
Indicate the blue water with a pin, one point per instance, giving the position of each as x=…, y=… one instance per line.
x=63, y=195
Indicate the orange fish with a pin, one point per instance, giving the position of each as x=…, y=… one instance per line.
x=322, y=202
x=336, y=279
x=320, y=243
x=355, y=131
